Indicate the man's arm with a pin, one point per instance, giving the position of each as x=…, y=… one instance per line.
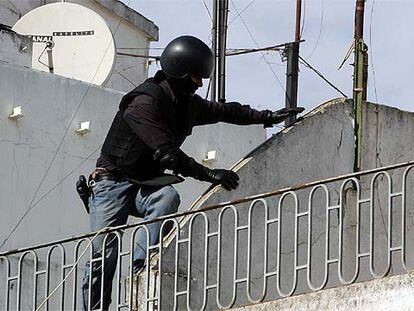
x=144, y=117
x=177, y=161
x=209, y=112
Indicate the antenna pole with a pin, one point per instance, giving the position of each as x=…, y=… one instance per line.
x=213, y=78
x=222, y=34
x=292, y=70
x=298, y=17
x=360, y=77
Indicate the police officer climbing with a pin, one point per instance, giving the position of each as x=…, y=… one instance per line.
x=144, y=140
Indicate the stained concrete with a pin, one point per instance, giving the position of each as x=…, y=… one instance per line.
x=393, y=293
x=28, y=146
x=320, y=146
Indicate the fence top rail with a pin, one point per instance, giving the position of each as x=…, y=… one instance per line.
x=213, y=207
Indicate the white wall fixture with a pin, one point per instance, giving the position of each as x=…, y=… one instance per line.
x=17, y=113
x=84, y=128
x=210, y=156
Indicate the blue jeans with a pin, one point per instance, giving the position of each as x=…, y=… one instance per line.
x=110, y=205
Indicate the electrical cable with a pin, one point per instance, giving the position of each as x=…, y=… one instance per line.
x=279, y=47
x=136, y=48
x=72, y=269
x=257, y=45
x=133, y=66
x=322, y=76
x=67, y=176
x=138, y=55
x=48, y=192
x=211, y=19
x=320, y=30
x=241, y=12
x=208, y=88
x=41, y=54
x=348, y=54
x=29, y=208
x=370, y=51
x=125, y=78
x=207, y=9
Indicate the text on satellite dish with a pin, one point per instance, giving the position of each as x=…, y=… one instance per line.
x=74, y=33
x=41, y=38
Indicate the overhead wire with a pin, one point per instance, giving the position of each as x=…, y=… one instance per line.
x=241, y=12
x=207, y=9
x=320, y=30
x=321, y=76
x=139, y=55
x=138, y=48
x=74, y=266
x=47, y=193
x=33, y=204
x=67, y=176
x=257, y=45
x=279, y=47
x=30, y=206
x=125, y=77
x=371, y=52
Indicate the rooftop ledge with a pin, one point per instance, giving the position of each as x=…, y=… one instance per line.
x=122, y=10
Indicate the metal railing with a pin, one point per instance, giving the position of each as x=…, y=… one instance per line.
x=304, y=238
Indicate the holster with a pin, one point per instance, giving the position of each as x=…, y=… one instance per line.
x=84, y=191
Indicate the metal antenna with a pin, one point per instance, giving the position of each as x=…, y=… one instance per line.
x=292, y=70
x=360, y=77
x=213, y=78
x=223, y=11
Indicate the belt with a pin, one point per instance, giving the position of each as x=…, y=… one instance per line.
x=100, y=174
x=108, y=176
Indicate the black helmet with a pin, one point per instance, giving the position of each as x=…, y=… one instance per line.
x=187, y=55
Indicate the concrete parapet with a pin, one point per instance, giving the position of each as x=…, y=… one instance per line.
x=392, y=293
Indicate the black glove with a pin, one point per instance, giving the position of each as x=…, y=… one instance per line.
x=228, y=179
x=281, y=115
x=189, y=167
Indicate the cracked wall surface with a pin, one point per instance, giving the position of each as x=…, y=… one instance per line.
x=394, y=293
x=319, y=147
x=28, y=146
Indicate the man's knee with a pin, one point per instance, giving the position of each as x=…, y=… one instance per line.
x=162, y=201
x=171, y=198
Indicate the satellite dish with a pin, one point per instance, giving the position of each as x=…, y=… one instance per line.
x=69, y=40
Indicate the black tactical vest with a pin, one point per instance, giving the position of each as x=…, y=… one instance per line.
x=122, y=146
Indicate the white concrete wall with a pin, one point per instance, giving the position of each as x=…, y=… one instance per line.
x=28, y=145
x=392, y=293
